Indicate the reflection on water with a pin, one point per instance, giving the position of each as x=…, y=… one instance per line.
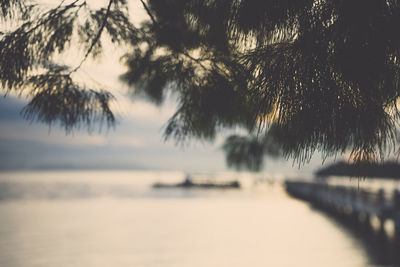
x=381, y=248
x=117, y=219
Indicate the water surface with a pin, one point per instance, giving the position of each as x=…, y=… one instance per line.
x=117, y=219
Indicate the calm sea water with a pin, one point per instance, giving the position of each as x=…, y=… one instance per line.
x=84, y=219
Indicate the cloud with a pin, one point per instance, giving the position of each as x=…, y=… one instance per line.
x=126, y=141
x=139, y=121
x=136, y=142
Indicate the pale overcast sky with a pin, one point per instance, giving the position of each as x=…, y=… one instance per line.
x=135, y=143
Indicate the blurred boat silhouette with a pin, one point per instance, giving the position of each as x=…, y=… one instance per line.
x=189, y=183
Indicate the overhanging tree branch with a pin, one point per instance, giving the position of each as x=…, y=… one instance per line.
x=97, y=38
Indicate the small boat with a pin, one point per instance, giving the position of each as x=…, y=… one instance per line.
x=189, y=183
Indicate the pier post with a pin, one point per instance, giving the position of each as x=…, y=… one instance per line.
x=355, y=215
x=381, y=205
x=396, y=214
x=366, y=217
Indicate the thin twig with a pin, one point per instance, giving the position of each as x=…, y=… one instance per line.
x=198, y=61
x=149, y=13
x=96, y=39
x=45, y=19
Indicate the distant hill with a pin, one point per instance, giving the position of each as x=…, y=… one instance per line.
x=388, y=169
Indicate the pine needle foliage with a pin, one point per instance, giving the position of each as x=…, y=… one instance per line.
x=313, y=75
x=37, y=35
x=308, y=75
x=247, y=152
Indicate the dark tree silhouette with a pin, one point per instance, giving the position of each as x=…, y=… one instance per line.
x=34, y=34
x=309, y=75
x=387, y=169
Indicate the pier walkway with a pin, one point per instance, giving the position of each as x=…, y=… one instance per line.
x=352, y=202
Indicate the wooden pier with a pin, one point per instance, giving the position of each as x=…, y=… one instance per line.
x=356, y=204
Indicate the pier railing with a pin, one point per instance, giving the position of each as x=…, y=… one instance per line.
x=350, y=201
